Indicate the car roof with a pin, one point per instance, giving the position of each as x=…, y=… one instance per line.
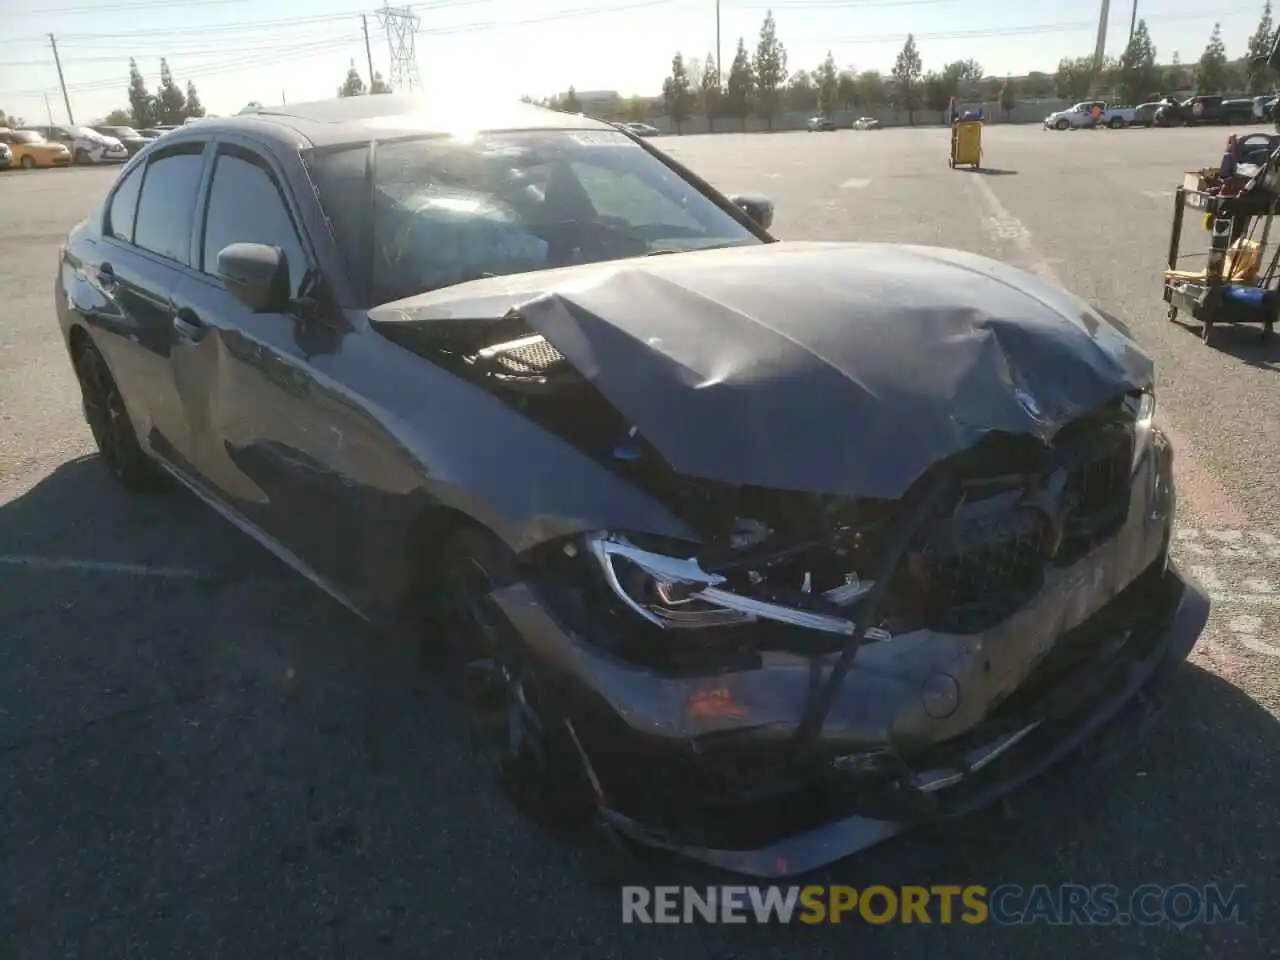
x=343, y=120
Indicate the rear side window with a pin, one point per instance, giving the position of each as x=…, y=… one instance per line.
x=247, y=206
x=167, y=207
x=124, y=205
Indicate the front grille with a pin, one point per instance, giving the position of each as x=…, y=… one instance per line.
x=1015, y=515
x=972, y=568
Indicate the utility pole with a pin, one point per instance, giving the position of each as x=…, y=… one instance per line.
x=1133, y=20
x=719, y=65
x=61, y=81
x=48, y=109
x=283, y=101
x=368, y=52
x=1100, y=49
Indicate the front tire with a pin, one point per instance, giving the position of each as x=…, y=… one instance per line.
x=515, y=730
x=81, y=157
x=28, y=162
x=108, y=420
x=1062, y=125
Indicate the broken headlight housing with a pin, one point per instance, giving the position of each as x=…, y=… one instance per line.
x=674, y=593
x=1141, y=405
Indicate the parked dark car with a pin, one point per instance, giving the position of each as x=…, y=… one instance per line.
x=817, y=124
x=762, y=551
x=133, y=141
x=1205, y=109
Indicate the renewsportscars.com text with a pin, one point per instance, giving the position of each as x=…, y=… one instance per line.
x=1008, y=905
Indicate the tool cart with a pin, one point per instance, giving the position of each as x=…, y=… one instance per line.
x=1237, y=204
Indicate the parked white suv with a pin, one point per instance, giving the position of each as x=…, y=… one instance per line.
x=85, y=145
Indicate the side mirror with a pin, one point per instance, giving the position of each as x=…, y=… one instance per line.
x=256, y=275
x=755, y=206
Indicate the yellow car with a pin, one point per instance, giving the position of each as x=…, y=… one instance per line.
x=31, y=150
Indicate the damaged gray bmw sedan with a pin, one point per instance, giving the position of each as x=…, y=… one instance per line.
x=756, y=551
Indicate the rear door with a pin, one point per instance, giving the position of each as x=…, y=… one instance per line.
x=142, y=266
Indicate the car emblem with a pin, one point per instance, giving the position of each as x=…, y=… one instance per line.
x=1029, y=404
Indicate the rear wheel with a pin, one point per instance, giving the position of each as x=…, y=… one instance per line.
x=1115, y=123
x=81, y=156
x=113, y=432
x=515, y=732
x=28, y=162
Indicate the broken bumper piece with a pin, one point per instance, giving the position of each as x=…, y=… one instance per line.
x=1118, y=704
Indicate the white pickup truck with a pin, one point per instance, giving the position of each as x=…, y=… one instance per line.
x=1081, y=115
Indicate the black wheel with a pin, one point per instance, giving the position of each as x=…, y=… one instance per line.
x=81, y=156
x=105, y=412
x=1116, y=123
x=515, y=732
x=1173, y=314
x=28, y=162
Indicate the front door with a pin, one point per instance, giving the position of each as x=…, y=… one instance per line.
x=269, y=439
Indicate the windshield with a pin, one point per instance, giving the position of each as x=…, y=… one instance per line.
x=445, y=210
x=27, y=136
x=119, y=132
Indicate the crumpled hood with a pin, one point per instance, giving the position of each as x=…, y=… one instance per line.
x=825, y=367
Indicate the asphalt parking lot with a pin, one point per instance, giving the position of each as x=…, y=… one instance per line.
x=202, y=755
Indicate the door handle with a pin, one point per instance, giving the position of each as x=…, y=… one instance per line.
x=188, y=325
x=106, y=276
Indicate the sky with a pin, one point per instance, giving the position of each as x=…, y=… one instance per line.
x=235, y=52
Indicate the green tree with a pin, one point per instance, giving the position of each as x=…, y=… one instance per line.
x=710, y=95
x=741, y=85
x=847, y=89
x=142, y=105
x=770, y=69
x=871, y=92
x=1211, y=71
x=353, y=85
x=1008, y=98
x=1138, y=74
x=637, y=110
x=827, y=79
x=171, y=104
x=194, y=107
x=801, y=95
x=965, y=78
x=1037, y=85
x=936, y=91
x=1258, y=74
x=906, y=78
x=1174, y=77
x=1073, y=77
x=677, y=93
x=571, y=103
x=378, y=85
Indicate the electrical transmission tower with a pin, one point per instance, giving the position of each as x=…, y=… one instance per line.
x=401, y=24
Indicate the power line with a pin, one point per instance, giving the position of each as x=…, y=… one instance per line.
x=204, y=71
x=113, y=7
x=169, y=51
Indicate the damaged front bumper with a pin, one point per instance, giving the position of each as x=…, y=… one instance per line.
x=925, y=727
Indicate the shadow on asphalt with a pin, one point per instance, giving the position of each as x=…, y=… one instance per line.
x=284, y=787
x=1244, y=341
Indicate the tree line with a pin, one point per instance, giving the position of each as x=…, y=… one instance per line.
x=354, y=86
x=168, y=106
x=760, y=83
x=1137, y=74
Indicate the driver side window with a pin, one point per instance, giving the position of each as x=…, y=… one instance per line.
x=629, y=198
x=246, y=206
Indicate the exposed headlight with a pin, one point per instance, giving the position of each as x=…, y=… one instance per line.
x=1142, y=406
x=678, y=594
